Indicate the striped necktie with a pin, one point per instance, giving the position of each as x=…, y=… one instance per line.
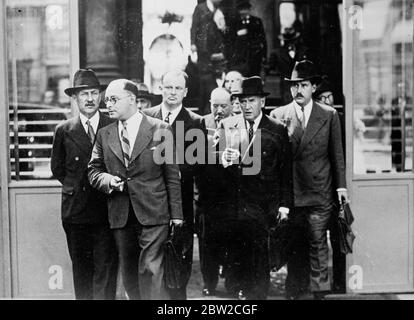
x=251, y=131
x=125, y=143
x=167, y=118
x=91, y=132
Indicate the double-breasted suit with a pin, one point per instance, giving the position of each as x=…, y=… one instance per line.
x=84, y=213
x=150, y=199
x=185, y=121
x=256, y=197
x=318, y=171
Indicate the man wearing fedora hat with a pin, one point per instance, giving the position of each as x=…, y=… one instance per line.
x=261, y=187
x=318, y=179
x=84, y=212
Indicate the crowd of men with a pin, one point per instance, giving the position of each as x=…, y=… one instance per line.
x=228, y=175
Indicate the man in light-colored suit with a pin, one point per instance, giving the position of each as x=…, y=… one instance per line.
x=319, y=180
x=144, y=194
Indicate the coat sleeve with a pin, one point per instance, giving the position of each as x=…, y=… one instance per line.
x=97, y=172
x=58, y=158
x=286, y=169
x=172, y=180
x=336, y=152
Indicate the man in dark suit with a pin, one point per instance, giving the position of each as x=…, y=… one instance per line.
x=261, y=185
x=174, y=89
x=213, y=204
x=144, y=194
x=319, y=180
x=208, y=40
x=249, y=44
x=84, y=213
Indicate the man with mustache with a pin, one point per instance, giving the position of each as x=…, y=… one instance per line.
x=84, y=212
x=319, y=181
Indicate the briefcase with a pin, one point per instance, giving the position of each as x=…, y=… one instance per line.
x=346, y=235
x=175, y=266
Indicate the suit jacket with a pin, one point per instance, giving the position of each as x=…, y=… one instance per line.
x=259, y=196
x=71, y=151
x=318, y=161
x=153, y=189
x=186, y=120
x=248, y=51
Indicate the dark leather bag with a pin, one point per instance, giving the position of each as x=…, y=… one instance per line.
x=346, y=235
x=279, y=244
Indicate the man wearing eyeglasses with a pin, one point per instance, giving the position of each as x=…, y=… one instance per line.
x=184, y=122
x=84, y=212
x=144, y=194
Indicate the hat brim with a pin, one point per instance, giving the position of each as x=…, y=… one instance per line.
x=71, y=91
x=317, y=78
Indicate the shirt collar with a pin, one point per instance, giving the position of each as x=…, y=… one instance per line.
x=173, y=115
x=256, y=122
x=299, y=108
x=135, y=119
x=94, y=121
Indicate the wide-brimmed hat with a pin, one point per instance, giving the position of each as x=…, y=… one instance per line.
x=252, y=86
x=85, y=79
x=304, y=70
x=323, y=86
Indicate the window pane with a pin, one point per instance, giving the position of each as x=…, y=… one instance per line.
x=383, y=77
x=38, y=64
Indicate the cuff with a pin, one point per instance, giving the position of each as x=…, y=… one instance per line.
x=284, y=210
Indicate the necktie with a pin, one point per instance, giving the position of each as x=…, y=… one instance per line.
x=167, y=119
x=125, y=143
x=303, y=120
x=251, y=131
x=91, y=133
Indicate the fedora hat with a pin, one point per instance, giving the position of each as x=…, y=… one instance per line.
x=252, y=86
x=304, y=70
x=85, y=79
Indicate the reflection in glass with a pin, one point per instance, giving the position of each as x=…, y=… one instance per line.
x=383, y=74
x=38, y=60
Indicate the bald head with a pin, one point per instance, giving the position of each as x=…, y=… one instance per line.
x=220, y=103
x=232, y=81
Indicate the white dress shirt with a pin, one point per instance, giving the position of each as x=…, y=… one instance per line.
x=256, y=123
x=308, y=110
x=94, y=121
x=132, y=126
x=173, y=115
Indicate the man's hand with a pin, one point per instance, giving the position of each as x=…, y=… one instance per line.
x=343, y=195
x=229, y=155
x=176, y=222
x=117, y=184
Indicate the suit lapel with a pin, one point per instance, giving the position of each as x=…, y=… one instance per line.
x=79, y=136
x=315, y=123
x=114, y=142
x=143, y=138
x=158, y=113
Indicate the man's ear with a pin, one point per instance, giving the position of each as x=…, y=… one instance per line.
x=185, y=92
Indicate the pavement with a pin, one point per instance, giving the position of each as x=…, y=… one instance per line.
x=277, y=288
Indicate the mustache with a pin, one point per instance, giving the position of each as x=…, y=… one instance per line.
x=299, y=95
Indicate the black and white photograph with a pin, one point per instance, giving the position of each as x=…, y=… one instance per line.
x=218, y=152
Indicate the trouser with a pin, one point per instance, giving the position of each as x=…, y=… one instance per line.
x=207, y=84
x=248, y=253
x=338, y=258
x=141, y=256
x=188, y=235
x=308, y=263
x=213, y=243
x=94, y=260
